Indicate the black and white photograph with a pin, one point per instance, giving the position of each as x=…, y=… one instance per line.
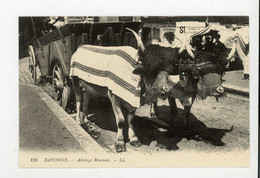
x=151, y=86
x=114, y=90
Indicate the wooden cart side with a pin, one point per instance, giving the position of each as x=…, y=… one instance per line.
x=60, y=52
x=60, y=44
x=54, y=50
x=55, y=47
x=116, y=30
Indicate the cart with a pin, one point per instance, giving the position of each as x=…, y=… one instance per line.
x=52, y=52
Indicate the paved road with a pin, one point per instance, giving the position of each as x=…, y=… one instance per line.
x=210, y=119
x=234, y=78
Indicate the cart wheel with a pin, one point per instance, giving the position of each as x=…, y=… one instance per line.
x=32, y=64
x=60, y=86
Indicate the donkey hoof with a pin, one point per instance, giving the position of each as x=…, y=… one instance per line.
x=120, y=148
x=135, y=144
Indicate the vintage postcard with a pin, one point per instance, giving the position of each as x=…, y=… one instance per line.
x=134, y=91
x=129, y=88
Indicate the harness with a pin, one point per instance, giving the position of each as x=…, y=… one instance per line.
x=203, y=68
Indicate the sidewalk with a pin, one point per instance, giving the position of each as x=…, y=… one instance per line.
x=45, y=126
x=233, y=83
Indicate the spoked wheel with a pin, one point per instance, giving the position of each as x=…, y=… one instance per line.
x=32, y=64
x=61, y=86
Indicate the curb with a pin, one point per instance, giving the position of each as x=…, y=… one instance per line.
x=82, y=137
x=229, y=88
x=236, y=90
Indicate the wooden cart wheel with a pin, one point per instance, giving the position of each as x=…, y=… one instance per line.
x=32, y=64
x=61, y=87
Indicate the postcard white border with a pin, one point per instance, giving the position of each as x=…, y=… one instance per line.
x=12, y=9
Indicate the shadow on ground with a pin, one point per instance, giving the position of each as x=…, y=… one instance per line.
x=199, y=129
x=149, y=132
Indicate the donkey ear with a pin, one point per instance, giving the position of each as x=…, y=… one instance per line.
x=138, y=71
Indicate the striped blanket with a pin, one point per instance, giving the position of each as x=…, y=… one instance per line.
x=110, y=67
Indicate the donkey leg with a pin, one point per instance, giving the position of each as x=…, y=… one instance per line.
x=120, y=121
x=133, y=138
